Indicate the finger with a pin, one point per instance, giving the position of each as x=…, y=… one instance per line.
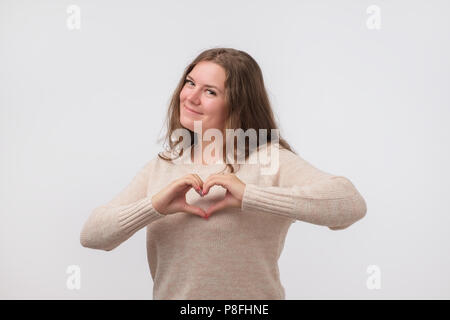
x=192, y=182
x=217, y=206
x=200, y=184
x=209, y=183
x=194, y=210
x=195, y=178
x=217, y=180
x=184, y=184
x=196, y=184
x=200, y=181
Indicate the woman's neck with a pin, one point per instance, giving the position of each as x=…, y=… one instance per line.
x=205, y=153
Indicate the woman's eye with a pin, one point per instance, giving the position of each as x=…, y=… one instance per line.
x=190, y=82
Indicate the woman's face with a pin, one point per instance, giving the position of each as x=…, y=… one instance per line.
x=204, y=93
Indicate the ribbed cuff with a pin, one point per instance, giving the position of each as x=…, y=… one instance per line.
x=137, y=215
x=268, y=199
x=331, y=202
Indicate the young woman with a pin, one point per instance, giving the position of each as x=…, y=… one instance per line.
x=223, y=241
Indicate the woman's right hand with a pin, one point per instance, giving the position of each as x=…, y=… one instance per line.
x=172, y=198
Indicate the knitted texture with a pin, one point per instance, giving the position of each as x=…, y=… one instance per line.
x=233, y=254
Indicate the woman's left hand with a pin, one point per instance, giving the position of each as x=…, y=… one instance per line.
x=235, y=191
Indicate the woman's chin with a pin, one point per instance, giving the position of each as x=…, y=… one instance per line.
x=189, y=123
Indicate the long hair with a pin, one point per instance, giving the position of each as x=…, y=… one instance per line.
x=245, y=95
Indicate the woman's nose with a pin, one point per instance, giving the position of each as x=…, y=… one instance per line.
x=194, y=96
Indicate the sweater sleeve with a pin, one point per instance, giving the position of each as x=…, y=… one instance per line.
x=116, y=221
x=307, y=194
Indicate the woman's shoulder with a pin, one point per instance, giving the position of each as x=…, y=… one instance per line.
x=270, y=157
x=155, y=164
x=275, y=150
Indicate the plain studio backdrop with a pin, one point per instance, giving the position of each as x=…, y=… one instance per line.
x=359, y=89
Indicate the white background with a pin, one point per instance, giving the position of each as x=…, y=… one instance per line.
x=81, y=111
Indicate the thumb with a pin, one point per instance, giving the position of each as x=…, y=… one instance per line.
x=194, y=210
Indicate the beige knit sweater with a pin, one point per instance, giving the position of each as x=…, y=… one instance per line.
x=234, y=254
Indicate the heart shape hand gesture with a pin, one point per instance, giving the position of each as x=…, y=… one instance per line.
x=172, y=198
x=233, y=197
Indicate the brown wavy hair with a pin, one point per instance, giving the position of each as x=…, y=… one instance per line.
x=245, y=95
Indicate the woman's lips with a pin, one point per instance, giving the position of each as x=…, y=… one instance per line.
x=191, y=111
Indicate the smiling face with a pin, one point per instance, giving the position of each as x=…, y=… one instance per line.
x=204, y=93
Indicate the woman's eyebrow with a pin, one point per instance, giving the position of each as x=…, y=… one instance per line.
x=207, y=85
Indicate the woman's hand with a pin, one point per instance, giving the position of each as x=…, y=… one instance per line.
x=172, y=198
x=235, y=191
